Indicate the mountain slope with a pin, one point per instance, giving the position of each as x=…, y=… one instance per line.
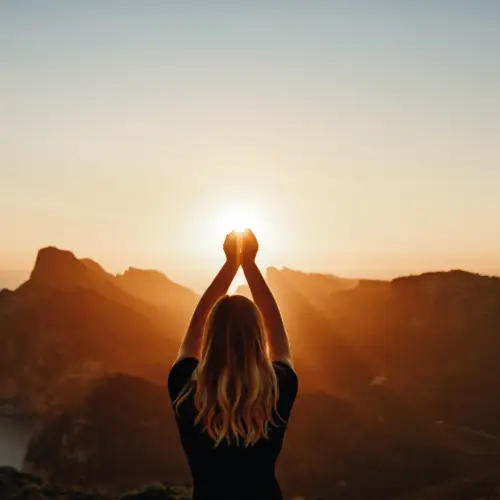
x=123, y=433
x=72, y=321
x=398, y=379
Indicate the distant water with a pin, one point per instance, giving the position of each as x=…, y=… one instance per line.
x=14, y=437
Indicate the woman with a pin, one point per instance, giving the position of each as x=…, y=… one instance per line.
x=233, y=385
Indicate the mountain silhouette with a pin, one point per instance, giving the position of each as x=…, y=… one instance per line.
x=155, y=288
x=398, y=379
x=434, y=336
x=147, y=292
x=72, y=321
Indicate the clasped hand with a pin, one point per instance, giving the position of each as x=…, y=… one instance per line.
x=241, y=248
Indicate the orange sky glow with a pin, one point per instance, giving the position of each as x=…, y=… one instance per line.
x=357, y=142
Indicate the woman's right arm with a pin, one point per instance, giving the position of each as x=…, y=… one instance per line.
x=279, y=346
x=191, y=344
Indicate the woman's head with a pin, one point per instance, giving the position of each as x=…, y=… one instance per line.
x=233, y=336
x=236, y=387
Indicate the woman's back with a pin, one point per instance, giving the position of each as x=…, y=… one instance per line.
x=233, y=384
x=231, y=470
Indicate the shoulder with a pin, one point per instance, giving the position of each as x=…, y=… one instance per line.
x=284, y=369
x=180, y=374
x=288, y=384
x=287, y=377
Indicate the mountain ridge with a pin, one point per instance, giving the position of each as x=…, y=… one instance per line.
x=71, y=321
x=406, y=370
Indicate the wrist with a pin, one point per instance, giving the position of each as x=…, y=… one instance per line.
x=232, y=264
x=248, y=264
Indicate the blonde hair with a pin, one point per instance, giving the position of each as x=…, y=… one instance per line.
x=235, y=385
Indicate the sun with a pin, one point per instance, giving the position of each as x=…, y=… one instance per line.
x=238, y=218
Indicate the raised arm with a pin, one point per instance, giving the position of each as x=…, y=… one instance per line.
x=191, y=345
x=279, y=346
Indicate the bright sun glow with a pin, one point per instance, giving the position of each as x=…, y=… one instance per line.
x=238, y=218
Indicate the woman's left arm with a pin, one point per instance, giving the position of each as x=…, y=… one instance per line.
x=191, y=345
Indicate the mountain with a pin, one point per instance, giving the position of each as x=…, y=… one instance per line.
x=16, y=485
x=123, y=420
x=434, y=336
x=325, y=359
x=398, y=379
x=485, y=485
x=432, y=341
x=72, y=321
x=314, y=287
x=154, y=287
x=123, y=433
x=60, y=269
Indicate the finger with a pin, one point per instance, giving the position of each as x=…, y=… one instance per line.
x=250, y=236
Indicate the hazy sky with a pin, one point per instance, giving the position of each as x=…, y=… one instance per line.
x=363, y=134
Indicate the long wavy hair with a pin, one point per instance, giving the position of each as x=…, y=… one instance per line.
x=235, y=385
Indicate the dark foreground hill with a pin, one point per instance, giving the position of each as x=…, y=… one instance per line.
x=16, y=485
x=123, y=434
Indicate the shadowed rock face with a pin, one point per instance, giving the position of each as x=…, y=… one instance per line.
x=123, y=434
x=120, y=435
x=434, y=337
x=484, y=485
x=72, y=322
x=15, y=485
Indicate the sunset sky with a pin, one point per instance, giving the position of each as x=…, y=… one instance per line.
x=358, y=137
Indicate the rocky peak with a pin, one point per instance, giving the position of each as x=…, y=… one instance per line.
x=54, y=266
x=148, y=277
x=154, y=287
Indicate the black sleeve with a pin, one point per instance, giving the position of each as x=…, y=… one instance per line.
x=288, y=384
x=179, y=375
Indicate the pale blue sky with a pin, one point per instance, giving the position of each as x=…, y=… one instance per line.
x=365, y=133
